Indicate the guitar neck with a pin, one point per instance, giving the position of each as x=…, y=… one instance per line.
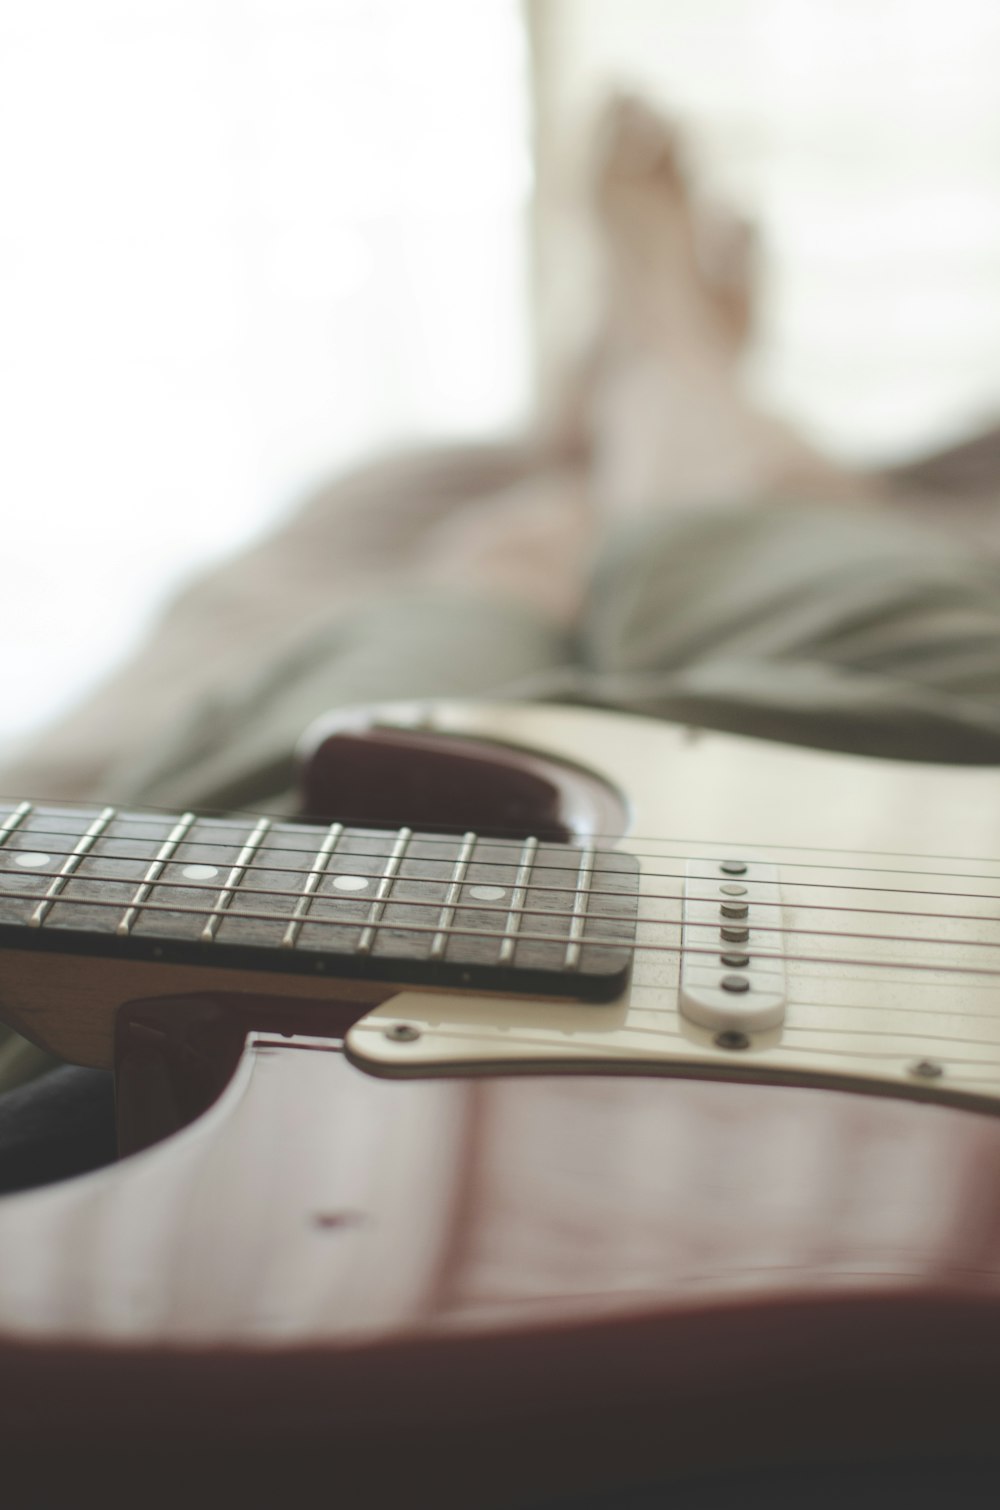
x=342, y=902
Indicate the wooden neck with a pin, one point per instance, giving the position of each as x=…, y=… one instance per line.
x=346, y=902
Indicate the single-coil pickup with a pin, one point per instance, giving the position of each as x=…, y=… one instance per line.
x=732, y=978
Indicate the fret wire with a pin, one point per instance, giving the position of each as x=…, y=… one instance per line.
x=449, y=906
x=319, y=922
x=234, y=878
x=312, y=881
x=538, y=885
x=581, y=897
x=377, y=908
x=513, y=923
x=13, y=820
x=166, y=851
x=554, y=912
x=69, y=865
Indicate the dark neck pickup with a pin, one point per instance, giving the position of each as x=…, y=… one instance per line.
x=519, y=916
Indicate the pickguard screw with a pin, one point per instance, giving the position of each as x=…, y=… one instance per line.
x=332, y=1221
x=402, y=1032
x=731, y=1039
x=926, y=1069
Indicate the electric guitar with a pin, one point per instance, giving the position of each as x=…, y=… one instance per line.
x=567, y=1101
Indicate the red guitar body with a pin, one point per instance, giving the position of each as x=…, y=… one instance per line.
x=321, y=1286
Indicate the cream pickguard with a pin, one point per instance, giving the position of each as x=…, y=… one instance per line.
x=873, y=920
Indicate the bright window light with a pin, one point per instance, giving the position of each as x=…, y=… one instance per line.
x=244, y=243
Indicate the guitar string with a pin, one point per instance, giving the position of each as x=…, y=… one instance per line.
x=602, y=941
x=918, y=1037
x=100, y=854
x=592, y=891
x=979, y=1062
x=606, y=870
x=295, y=894
x=906, y=967
x=729, y=847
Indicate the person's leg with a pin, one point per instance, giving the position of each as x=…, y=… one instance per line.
x=966, y=469
x=670, y=421
x=801, y=623
x=749, y=583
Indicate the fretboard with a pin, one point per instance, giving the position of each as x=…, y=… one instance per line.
x=419, y=908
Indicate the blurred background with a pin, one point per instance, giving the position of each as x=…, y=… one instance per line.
x=244, y=243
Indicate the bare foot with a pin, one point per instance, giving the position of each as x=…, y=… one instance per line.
x=673, y=269
x=670, y=421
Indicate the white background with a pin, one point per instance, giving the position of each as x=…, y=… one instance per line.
x=241, y=242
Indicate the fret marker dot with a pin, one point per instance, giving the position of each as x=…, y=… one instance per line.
x=200, y=872
x=350, y=883
x=486, y=893
x=32, y=859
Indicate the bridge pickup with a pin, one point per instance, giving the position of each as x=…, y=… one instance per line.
x=732, y=977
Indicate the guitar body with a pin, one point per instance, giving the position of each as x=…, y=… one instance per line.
x=563, y=1246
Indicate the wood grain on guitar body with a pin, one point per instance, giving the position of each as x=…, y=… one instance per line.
x=500, y=1125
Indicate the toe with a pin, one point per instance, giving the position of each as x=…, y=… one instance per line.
x=634, y=143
